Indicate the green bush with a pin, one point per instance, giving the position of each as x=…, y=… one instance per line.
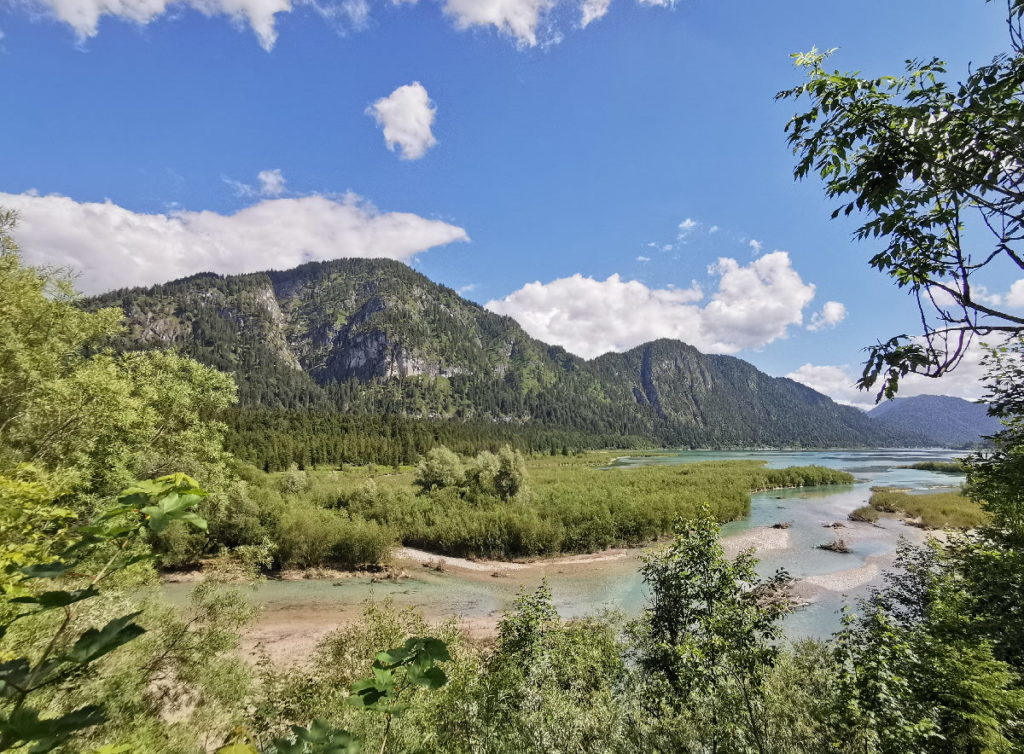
x=310, y=537
x=941, y=510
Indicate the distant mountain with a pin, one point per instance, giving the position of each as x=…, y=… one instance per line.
x=940, y=419
x=374, y=337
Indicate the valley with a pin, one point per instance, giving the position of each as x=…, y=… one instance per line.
x=297, y=610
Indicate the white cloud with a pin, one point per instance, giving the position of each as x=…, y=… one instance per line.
x=469, y=288
x=835, y=382
x=643, y=259
x=838, y=381
x=592, y=10
x=406, y=115
x=84, y=15
x=686, y=226
x=271, y=183
x=831, y=314
x=755, y=246
x=521, y=20
x=753, y=305
x=357, y=12
x=518, y=19
x=115, y=247
x=1015, y=297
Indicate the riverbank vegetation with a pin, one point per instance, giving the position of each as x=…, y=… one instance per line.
x=943, y=467
x=939, y=510
x=491, y=505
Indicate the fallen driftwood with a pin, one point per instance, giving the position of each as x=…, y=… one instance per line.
x=837, y=545
x=782, y=525
x=390, y=574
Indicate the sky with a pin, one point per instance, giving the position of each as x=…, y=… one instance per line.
x=605, y=171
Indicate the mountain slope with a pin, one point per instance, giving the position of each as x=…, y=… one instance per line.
x=941, y=419
x=370, y=336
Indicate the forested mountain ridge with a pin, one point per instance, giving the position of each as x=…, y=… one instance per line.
x=941, y=419
x=373, y=337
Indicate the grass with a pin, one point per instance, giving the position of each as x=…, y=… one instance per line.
x=572, y=504
x=941, y=510
x=944, y=467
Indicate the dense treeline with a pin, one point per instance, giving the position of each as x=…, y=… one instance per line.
x=274, y=440
x=366, y=338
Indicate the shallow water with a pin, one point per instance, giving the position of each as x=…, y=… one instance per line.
x=584, y=589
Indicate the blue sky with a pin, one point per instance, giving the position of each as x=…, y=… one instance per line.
x=560, y=151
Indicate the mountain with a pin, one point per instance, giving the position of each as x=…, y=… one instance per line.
x=372, y=337
x=940, y=419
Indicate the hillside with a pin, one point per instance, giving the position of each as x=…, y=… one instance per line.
x=362, y=337
x=941, y=419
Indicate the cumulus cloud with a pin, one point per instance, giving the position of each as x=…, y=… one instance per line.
x=831, y=314
x=114, y=247
x=271, y=182
x=84, y=15
x=406, y=115
x=518, y=19
x=592, y=10
x=1015, y=297
x=752, y=306
x=838, y=382
x=755, y=245
x=524, y=21
x=643, y=259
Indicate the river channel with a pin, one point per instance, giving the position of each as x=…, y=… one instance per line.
x=584, y=586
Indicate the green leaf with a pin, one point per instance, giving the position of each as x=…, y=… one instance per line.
x=436, y=649
x=25, y=726
x=433, y=678
x=54, y=599
x=13, y=676
x=95, y=643
x=50, y=570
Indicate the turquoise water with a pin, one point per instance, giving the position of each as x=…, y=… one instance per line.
x=585, y=589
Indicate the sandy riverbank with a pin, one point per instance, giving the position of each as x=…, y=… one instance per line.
x=290, y=633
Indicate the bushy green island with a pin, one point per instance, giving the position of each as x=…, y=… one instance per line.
x=945, y=467
x=492, y=505
x=940, y=510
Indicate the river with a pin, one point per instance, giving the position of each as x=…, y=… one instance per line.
x=828, y=580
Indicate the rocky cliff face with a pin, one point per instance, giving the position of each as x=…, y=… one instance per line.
x=364, y=335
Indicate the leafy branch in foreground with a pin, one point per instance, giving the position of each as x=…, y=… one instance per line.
x=78, y=571
x=937, y=170
x=396, y=672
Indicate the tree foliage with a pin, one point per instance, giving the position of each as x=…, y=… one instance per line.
x=935, y=168
x=76, y=577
